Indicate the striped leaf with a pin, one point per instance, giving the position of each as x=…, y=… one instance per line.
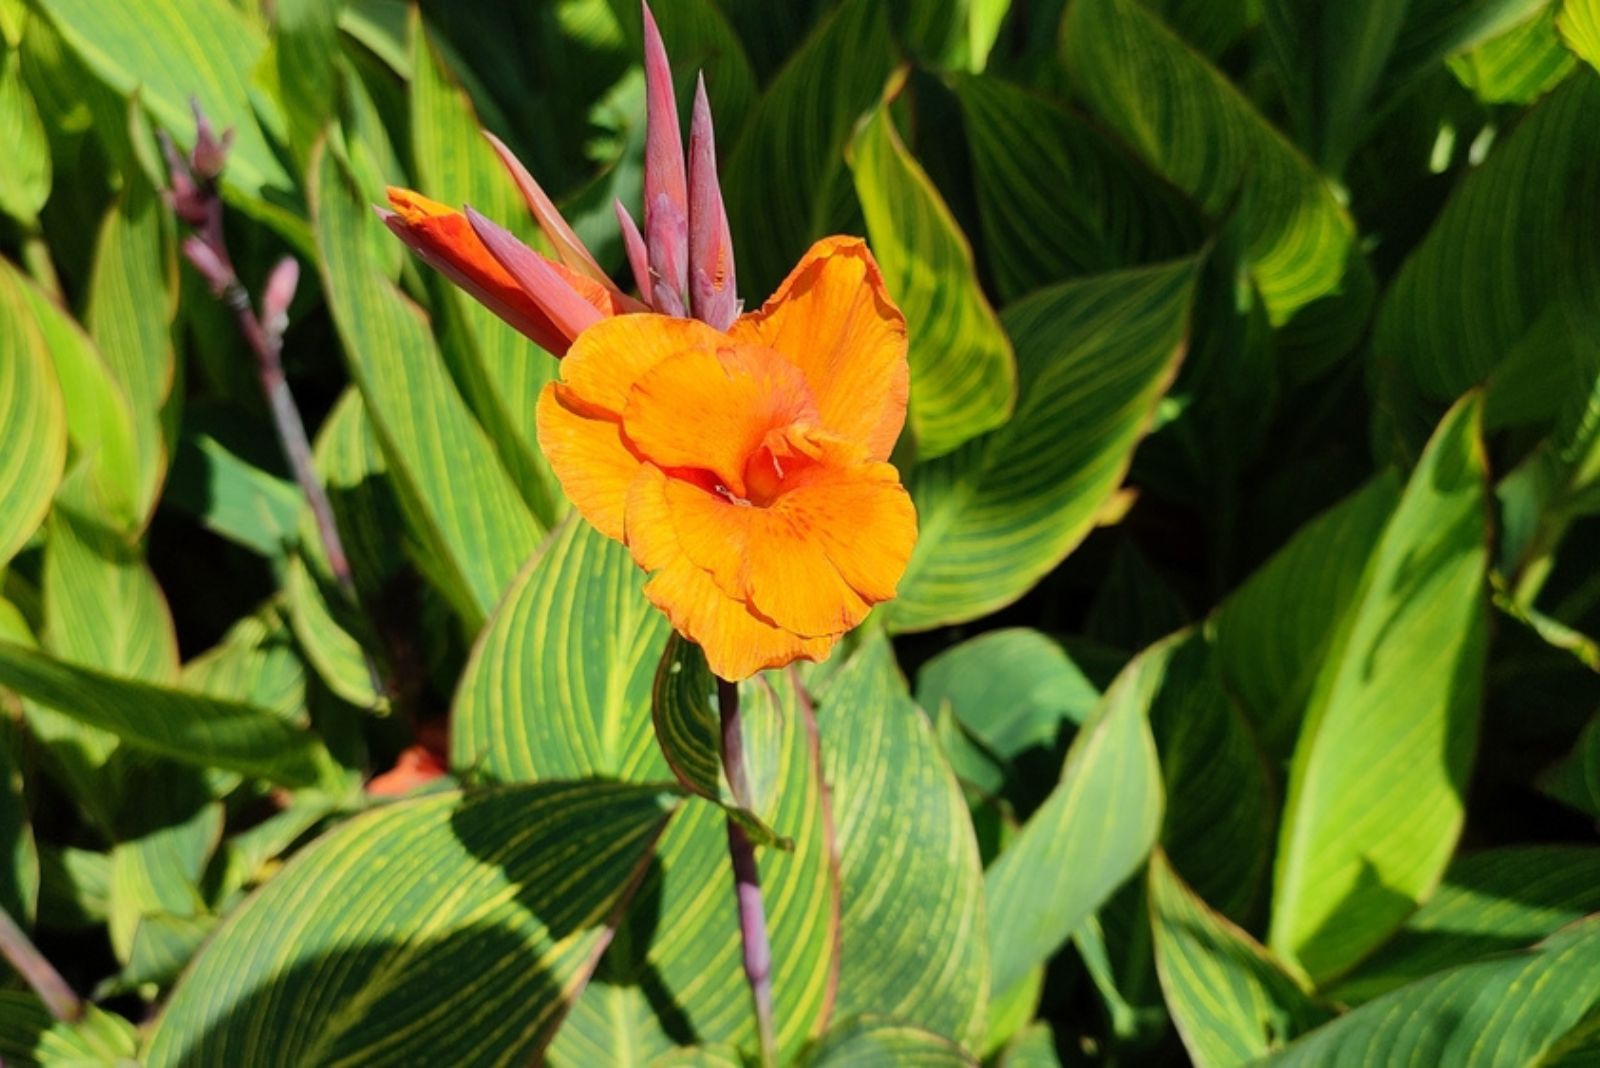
x=1517, y=66
x=963, y=372
x=19, y=851
x=1272, y=633
x=467, y=953
x=868, y=1040
x=169, y=51
x=1520, y=1008
x=1058, y=198
x=33, y=428
x=352, y=469
x=1094, y=357
x=674, y=975
x=130, y=310
x=559, y=683
x=255, y=662
x=912, y=932
x=685, y=711
x=1499, y=270
x=500, y=372
x=1575, y=779
x=1231, y=1001
x=229, y=495
x=189, y=728
x=471, y=529
x=99, y=417
x=785, y=178
x=1579, y=25
x=1343, y=66
x=1220, y=813
x=166, y=840
x=29, y=1036
x=25, y=181
x=305, y=43
x=1374, y=801
x=1092, y=832
x=1489, y=903
x=1197, y=130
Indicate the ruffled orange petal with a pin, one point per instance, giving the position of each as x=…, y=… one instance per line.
x=610, y=356
x=711, y=409
x=737, y=642
x=833, y=318
x=585, y=448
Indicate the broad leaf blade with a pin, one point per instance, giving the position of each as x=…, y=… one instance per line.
x=516, y=888
x=998, y=514
x=1375, y=797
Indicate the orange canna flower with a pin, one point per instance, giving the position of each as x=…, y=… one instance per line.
x=746, y=470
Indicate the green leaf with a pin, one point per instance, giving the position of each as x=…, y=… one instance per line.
x=1015, y=689
x=1092, y=833
x=500, y=372
x=873, y=1039
x=1220, y=809
x=516, y=889
x=166, y=842
x=1375, y=797
x=785, y=178
x=19, y=853
x=255, y=662
x=25, y=181
x=33, y=430
x=1575, y=780
x=685, y=710
x=984, y=19
x=1579, y=26
x=673, y=976
x=186, y=727
x=471, y=528
x=99, y=417
x=305, y=45
x=1034, y=1047
x=1058, y=199
x=130, y=309
x=559, y=683
x=1094, y=358
x=1271, y=634
x=1488, y=904
x=963, y=373
x=232, y=497
x=1231, y=1000
x=912, y=927
x=29, y=1036
x=74, y=885
x=1496, y=271
x=1197, y=130
x=175, y=50
x=1521, y=1008
x=1517, y=66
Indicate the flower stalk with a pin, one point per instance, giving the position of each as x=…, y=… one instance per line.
x=196, y=201
x=40, y=975
x=747, y=876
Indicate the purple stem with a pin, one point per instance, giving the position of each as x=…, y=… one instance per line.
x=37, y=972
x=746, y=876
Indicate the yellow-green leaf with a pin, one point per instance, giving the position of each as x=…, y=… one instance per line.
x=963, y=372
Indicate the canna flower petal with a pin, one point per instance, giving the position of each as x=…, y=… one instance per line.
x=447, y=242
x=569, y=247
x=832, y=317
x=737, y=471
x=666, y=186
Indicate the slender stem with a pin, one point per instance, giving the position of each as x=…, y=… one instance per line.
x=747, y=877
x=37, y=972
x=268, y=349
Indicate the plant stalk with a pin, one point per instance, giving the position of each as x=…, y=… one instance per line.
x=747, y=877
x=37, y=972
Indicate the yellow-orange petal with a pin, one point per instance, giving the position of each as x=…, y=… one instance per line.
x=862, y=520
x=610, y=356
x=737, y=641
x=711, y=409
x=585, y=448
x=833, y=318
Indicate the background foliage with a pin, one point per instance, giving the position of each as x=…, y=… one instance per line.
x=1240, y=699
